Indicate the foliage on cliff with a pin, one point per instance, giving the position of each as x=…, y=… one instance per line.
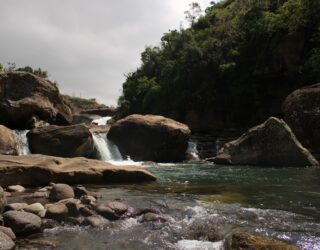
x=233, y=67
x=78, y=104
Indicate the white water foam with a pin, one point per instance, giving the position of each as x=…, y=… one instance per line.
x=192, y=150
x=23, y=145
x=101, y=121
x=108, y=151
x=200, y=245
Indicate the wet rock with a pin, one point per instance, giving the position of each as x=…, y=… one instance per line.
x=8, y=142
x=151, y=217
x=85, y=211
x=88, y=200
x=6, y=243
x=16, y=188
x=73, y=206
x=26, y=95
x=3, y=200
x=41, y=170
x=95, y=221
x=22, y=223
x=69, y=141
x=112, y=210
x=8, y=231
x=35, y=208
x=150, y=138
x=57, y=211
x=241, y=240
x=301, y=111
x=269, y=144
x=74, y=220
x=15, y=206
x=131, y=212
x=61, y=192
x=40, y=195
x=80, y=191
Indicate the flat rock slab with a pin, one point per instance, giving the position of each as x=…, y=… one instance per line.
x=38, y=170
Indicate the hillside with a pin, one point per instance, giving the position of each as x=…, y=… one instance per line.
x=232, y=68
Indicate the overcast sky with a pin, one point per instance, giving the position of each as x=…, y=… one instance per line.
x=86, y=46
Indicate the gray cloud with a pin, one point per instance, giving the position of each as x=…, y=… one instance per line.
x=87, y=46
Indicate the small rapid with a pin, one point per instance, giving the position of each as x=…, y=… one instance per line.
x=108, y=151
x=23, y=145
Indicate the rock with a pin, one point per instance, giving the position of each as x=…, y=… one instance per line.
x=8, y=141
x=15, y=206
x=301, y=111
x=35, y=208
x=241, y=240
x=22, y=223
x=269, y=144
x=85, y=211
x=88, y=200
x=80, y=191
x=152, y=217
x=61, y=192
x=40, y=170
x=23, y=95
x=112, y=210
x=150, y=138
x=3, y=200
x=6, y=243
x=68, y=141
x=16, y=188
x=57, y=211
x=8, y=231
x=73, y=206
x=95, y=221
x=101, y=111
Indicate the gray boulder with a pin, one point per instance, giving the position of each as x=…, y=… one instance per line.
x=6, y=243
x=269, y=144
x=61, y=192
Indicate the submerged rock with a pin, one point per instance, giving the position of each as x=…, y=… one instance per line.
x=22, y=223
x=301, y=111
x=36, y=170
x=61, y=192
x=269, y=144
x=8, y=141
x=150, y=138
x=24, y=95
x=68, y=141
x=241, y=240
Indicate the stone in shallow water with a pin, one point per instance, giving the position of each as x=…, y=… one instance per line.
x=73, y=206
x=8, y=231
x=16, y=188
x=6, y=243
x=80, y=191
x=112, y=210
x=57, y=211
x=95, y=221
x=35, y=208
x=15, y=206
x=61, y=192
x=22, y=223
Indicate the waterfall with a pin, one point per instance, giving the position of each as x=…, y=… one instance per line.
x=23, y=145
x=192, y=150
x=108, y=151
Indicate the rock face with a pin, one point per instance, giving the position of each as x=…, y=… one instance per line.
x=269, y=144
x=38, y=170
x=24, y=95
x=68, y=141
x=3, y=200
x=22, y=223
x=150, y=138
x=101, y=111
x=8, y=141
x=301, y=111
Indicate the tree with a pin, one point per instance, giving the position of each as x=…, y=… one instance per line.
x=193, y=13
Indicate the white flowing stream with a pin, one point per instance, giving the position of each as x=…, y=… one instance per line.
x=23, y=145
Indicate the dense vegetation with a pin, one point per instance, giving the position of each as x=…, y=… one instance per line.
x=78, y=104
x=232, y=68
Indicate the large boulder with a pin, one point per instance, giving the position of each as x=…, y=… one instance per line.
x=8, y=142
x=68, y=141
x=150, y=138
x=40, y=170
x=24, y=95
x=269, y=144
x=301, y=111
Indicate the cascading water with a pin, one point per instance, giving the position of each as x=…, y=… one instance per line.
x=108, y=151
x=22, y=142
x=192, y=150
x=101, y=121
